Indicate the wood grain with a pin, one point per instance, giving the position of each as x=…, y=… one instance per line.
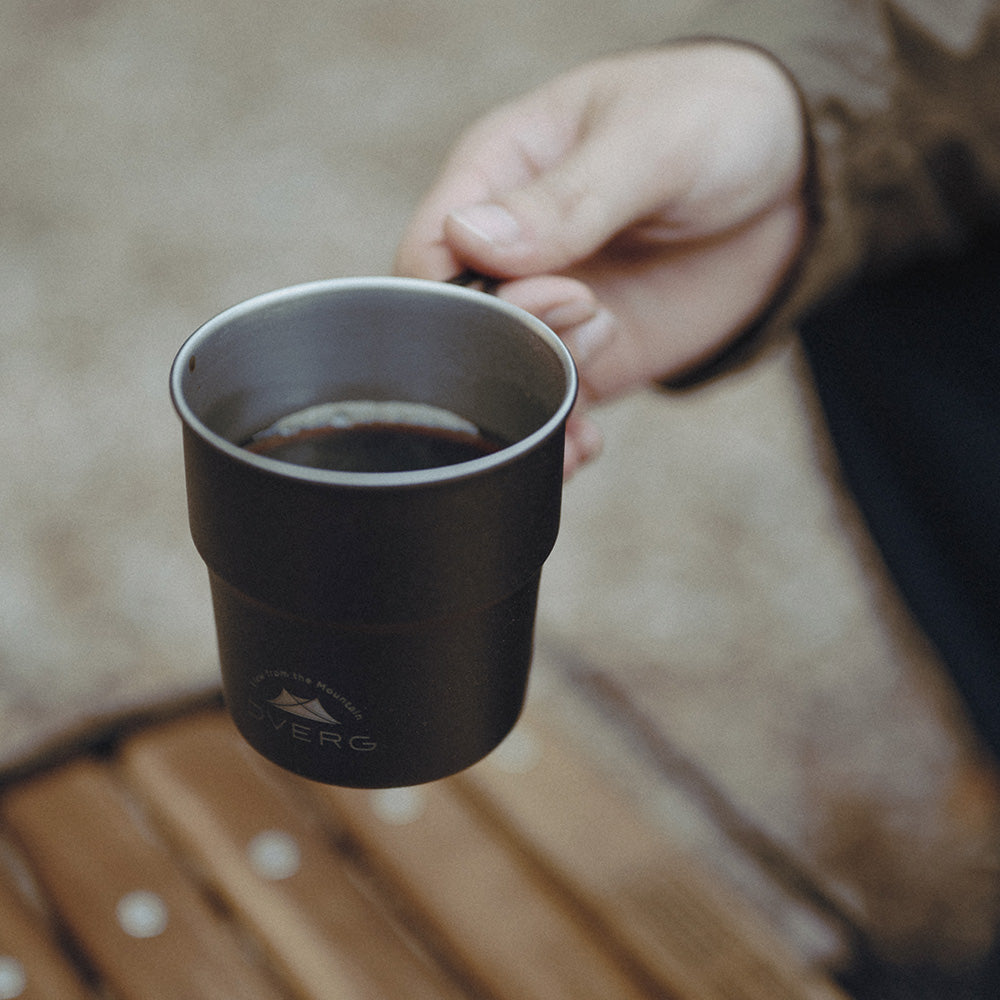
x=92, y=854
x=222, y=805
x=29, y=955
x=695, y=938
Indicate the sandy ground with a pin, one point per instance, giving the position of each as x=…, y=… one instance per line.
x=163, y=161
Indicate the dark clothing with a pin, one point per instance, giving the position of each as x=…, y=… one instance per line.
x=908, y=372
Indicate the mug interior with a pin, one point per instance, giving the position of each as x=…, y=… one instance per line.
x=381, y=339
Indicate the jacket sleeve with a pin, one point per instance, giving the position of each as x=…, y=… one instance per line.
x=902, y=106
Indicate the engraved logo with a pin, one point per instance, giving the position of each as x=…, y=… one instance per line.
x=306, y=718
x=310, y=708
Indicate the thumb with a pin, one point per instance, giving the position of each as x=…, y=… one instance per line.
x=561, y=216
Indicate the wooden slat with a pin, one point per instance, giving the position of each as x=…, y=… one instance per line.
x=32, y=965
x=92, y=857
x=695, y=939
x=222, y=805
x=517, y=940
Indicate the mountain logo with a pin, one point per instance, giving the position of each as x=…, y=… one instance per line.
x=305, y=708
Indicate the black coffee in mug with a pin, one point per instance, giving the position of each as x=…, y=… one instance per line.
x=375, y=628
x=373, y=436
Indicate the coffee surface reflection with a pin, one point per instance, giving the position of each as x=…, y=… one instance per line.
x=373, y=436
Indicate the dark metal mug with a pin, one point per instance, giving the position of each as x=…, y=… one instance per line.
x=374, y=628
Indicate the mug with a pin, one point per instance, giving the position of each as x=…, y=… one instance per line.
x=374, y=479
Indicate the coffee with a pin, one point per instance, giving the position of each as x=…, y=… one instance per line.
x=370, y=436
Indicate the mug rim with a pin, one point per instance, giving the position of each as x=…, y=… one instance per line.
x=332, y=477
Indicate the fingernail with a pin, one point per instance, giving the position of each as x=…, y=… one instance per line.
x=585, y=340
x=490, y=223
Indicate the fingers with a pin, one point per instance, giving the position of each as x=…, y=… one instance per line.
x=548, y=224
x=584, y=442
x=571, y=310
x=563, y=214
x=684, y=142
x=537, y=185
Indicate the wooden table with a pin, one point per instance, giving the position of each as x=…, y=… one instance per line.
x=170, y=861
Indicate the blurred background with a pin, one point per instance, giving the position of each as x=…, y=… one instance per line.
x=160, y=162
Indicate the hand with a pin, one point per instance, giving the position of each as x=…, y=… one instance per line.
x=645, y=206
